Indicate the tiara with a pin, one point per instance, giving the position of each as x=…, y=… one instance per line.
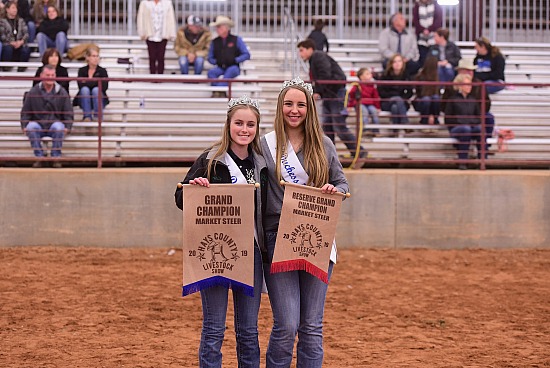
x=298, y=82
x=243, y=100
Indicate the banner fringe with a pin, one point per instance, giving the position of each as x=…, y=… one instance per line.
x=300, y=265
x=218, y=281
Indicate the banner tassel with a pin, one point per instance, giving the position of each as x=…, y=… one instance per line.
x=218, y=281
x=300, y=265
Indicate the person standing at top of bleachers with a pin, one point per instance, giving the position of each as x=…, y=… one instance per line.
x=14, y=36
x=52, y=32
x=53, y=57
x=156, y=24
x=88, y=90
x=490, y=65
x=317, y=35
x=447, y=53
x=38, y=13
x=396, y=39
x=227, y=52
x=192, y=43
x=427, y=18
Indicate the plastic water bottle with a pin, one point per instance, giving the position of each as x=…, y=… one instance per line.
x=142, y=102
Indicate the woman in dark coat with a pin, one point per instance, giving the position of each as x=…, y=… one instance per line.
x=53, y=57
x=88, y=90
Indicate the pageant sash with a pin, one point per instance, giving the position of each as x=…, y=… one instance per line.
x=218, y=237
x=236, y=174
x=306, y=231
x=292, y=170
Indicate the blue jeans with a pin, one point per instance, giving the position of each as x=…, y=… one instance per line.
x=228, y=73
x=36, y=132
x=445, y=74
x=9, y=53
x=398, y=108
x=297, y=301
x=464, y=134
x=32, y=30
x=60, y=42
x=371, y=110
x=494, y=88
x=214, y=309
x=87, y=100
x=426, y=106
x=197, y=65
x=335, y=123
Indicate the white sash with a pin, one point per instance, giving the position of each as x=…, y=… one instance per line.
x=236, y=174
x=237, y=177
x=291, y=168
x=292, y=171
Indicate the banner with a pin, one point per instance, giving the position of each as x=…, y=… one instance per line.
x=218, y=237
x=306, y=230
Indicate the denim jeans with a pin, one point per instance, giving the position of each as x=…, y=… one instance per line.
x=87, y=100
x=32, y=30
x=445, y=74
x=372, y=111
x=464, y=134
x=335, y=123
x=60, y=42
x=35, y=132
x=228, y=73
x=494, y=88
x=398, y=108
x=297, y=301
x=198, y=65
x=426, y=106
x=9, y=53
x=214, y=309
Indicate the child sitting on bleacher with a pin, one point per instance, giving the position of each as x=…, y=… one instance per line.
x=367, y=94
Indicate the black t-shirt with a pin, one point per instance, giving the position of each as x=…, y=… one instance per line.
x=246, y=166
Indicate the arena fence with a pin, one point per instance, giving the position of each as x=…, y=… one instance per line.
x=500, y=20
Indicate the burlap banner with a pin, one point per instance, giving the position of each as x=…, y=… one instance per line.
x=218, y=237
x=306, y=230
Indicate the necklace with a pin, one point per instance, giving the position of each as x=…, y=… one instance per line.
x=13, y=25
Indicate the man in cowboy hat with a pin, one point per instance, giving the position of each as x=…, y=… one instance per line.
x=226, y=52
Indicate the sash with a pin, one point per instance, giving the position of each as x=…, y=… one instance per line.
x=237, y=176
x=292, y=170
x=305, y=238
x=218, y=237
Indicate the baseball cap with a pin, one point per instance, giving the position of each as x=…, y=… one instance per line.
x=193, y=20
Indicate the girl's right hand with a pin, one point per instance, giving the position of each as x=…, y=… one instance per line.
x=200, y=181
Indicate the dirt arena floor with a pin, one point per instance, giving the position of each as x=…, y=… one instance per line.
x=90, y=307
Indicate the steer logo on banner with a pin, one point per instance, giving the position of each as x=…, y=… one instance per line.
x=218, y=237
x=306, y=232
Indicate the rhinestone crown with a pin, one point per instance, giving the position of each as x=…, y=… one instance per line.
x=298, y=82
x=243, y=100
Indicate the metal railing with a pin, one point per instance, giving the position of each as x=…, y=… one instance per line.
x=500, y=20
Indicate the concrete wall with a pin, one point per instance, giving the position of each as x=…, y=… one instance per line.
x=388, y=208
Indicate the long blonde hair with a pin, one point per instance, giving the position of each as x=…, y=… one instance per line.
x=222, y=146
x=315, y=159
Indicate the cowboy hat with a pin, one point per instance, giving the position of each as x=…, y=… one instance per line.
x=466, y=64
x=221, y=19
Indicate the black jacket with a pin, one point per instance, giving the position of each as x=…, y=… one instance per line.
x=46, y=108
x=323, y=67
x=51, y=27
x=462, y=110
x=99, y=73
x=60, y=71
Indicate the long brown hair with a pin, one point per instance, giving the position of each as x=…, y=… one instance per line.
x=315, y=159
x=429, y=73
x=389, y=67
x=491, y=50
x=225, y=141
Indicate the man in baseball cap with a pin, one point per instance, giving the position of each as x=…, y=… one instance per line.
x=191, y=46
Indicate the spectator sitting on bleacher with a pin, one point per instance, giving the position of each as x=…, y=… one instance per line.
x=52, y=32
x=88, y=90
x=227, y=52
x=318, y=36
x=38, y=13
x=368, y=98
x=447, y=53
x=428, y=97
x=462, y=117
x=490, y=64
x=192, y=44
x=14, y=36
x=427, y=18
x=156, y=24
x=47, y=111
x=53, y=57
x=396, y=39
x=395, y=97
x=466, y=66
